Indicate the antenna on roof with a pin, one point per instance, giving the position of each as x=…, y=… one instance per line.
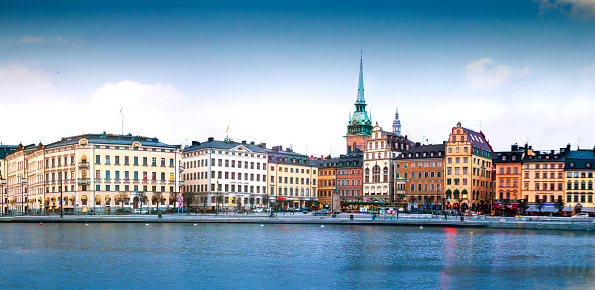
x=479, y=124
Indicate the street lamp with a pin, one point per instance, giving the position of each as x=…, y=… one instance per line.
x=2, y=184
x=61, y=197
x=23, y=196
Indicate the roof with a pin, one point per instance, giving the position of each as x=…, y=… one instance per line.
x=6, y=150
x=477, y=139
x=279, y=156
x=223, y=145
x=580, y=159
x=424, y=149
x=544, y=157
x=114, y=139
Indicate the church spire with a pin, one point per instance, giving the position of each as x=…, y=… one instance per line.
x=397, y=124
x=360, y=85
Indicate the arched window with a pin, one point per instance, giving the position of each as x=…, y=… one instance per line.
x=367, y=175
x=385, y=174
x=376, y=173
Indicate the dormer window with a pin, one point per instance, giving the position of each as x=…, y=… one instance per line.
x=513, y=157
x=588, y=164
x=503, y=157
x=571, y=164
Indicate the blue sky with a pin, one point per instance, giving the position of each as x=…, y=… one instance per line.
x=286, y=74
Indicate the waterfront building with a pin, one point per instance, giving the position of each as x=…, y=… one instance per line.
x=94, y=173
x=4, y=151
x=327, y=181
x=542, y=180
x=380, y=149
x=360, y=125
x=350, y=180
x=293, y=178
x=225, y=175
x=468, y=176
x=579, y=167
x=418, y=177
x=508, y=192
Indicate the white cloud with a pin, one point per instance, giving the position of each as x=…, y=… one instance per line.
x=583, y=9
x=589, y=68
x=485, y=73
x=20, y=83
x=31, y=39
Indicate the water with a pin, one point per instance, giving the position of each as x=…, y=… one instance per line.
x=291, y=256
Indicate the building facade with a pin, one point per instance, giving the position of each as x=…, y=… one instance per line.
x=327, y=181
x=225, y=175
x=542, y=180
x=468, y=177
x=293, y=179
x=95, y=173
x=508, y=192
x=379, y=151
x=350, y=180
x=419, y=177
x=579, y=169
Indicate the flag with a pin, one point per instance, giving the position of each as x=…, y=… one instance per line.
x=226, y=131
x=121, y=110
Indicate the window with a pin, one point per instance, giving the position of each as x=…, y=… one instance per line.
x=153, y=161
x=117, y=161
x=145, y=161
x=163, y=162
x=97, y=160
x=107, y=157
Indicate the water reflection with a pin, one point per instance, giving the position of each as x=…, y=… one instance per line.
x=290, y=256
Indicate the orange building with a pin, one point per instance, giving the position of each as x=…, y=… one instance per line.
x=508, y=193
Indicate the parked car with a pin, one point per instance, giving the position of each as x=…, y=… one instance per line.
x=158, y=210
x=140, y=211
x=260, y=209
x=321, y=212
x=123, y=211
x=581, y=215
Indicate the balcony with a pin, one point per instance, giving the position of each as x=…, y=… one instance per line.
x=84, y=181
x=83, y=164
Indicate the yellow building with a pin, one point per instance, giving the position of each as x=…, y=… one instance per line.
x=579, y=181
x=95, y=173
x=542, y=180
x=468, y=176
x=292, y=178
x=4, y=151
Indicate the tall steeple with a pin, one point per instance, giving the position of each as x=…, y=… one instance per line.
x=397, y=124
x=360, y=84
x=360, y=125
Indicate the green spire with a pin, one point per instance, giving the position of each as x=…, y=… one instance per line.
x=360, y=85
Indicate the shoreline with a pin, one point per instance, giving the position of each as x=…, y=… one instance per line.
x=492, y=222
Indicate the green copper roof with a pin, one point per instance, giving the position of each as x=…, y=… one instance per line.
x=360, y=123
x=360, y=85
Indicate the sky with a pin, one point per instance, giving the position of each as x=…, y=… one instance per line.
x=286, y=72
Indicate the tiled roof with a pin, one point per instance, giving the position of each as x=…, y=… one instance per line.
x=424, y=148
x=477, y=139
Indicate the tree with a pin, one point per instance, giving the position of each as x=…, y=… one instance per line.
x=523, y=206
x=157, y=196
x=540, y=203
x=188, y=199
x=560, y=205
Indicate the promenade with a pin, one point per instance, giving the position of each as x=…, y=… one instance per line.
x=417, y=220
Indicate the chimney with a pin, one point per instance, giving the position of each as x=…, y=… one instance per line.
x=252, y=143
x=514, y=147
x=277, y=148
x=288, y=150
x=348, y=149
x=243, y=141
x=262, y=145
x=195, y=143
x=417, y=144
x=211, y=139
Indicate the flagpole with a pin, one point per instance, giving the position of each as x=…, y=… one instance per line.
x=122, y=112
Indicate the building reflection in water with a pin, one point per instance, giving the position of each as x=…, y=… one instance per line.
x=449, y=255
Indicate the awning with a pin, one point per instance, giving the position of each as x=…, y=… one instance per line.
x=545, y=208
x=497, y=205
x=511, y=205
x=588, y=209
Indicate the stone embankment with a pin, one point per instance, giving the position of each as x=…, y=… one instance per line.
x=529, y=223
